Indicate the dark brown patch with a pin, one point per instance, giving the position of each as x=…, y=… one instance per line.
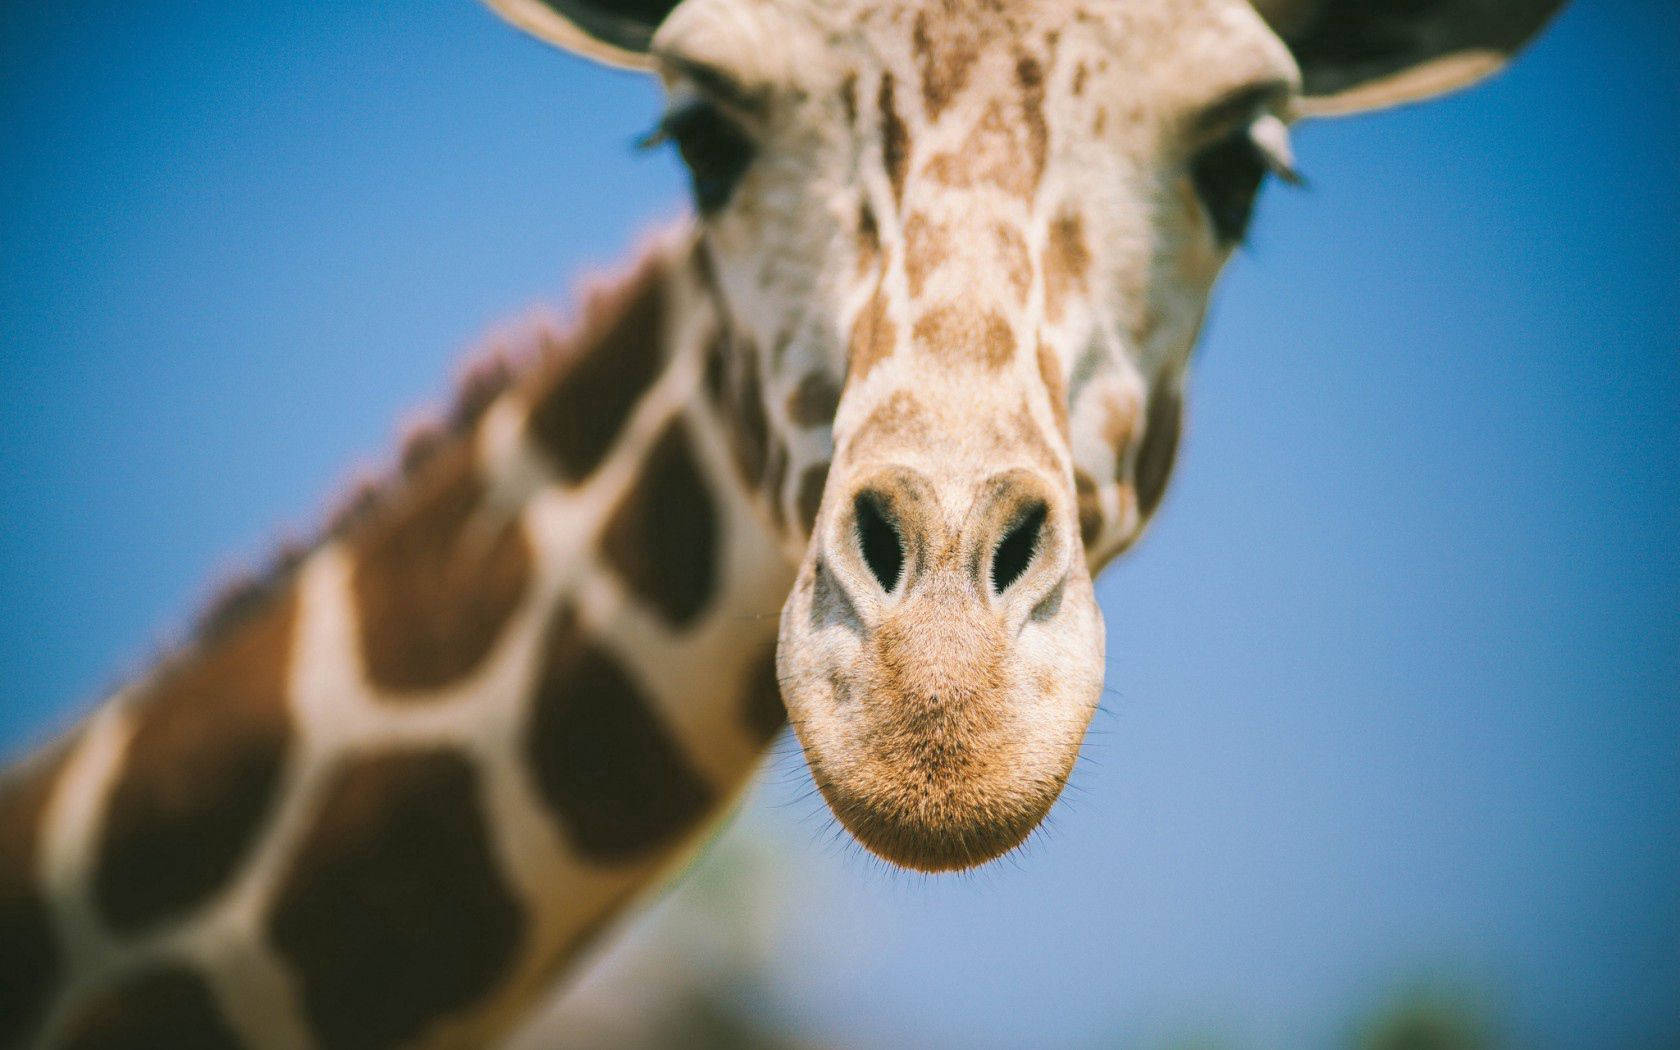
x=946, y=62
x=1090, y=510
x=814, y=400
x=1160, y=445
x=868, y=239
x=1066, y=261
x=763, y=710
x=394, y=912
x=618, y=785
x=895, y=138
x=1029, y=74
x=810, y=495
x=775, y=477
x=716, y=373
x=1079, y=75
x=662, y=538
x=31, y=959
x=166, y=1007
x=958, y=335
x=577, y=419
x=1050, y=371
x=436, y=578
x=848, y=98
x=751, y=431
x=872, y=337
x=200, y=773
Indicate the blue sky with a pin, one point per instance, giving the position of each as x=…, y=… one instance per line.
x=1394, y=679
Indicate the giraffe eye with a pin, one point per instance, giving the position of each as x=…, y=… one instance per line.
x=1227, y=176
x=714, y=148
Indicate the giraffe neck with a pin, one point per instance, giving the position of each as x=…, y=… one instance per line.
x=387, y=797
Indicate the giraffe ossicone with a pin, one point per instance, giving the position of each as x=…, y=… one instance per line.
x=914, y=375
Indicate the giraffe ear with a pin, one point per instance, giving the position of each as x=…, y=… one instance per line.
x=1367, y=54
x=616, y=32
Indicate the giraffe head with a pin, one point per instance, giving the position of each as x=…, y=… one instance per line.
x=961, y=251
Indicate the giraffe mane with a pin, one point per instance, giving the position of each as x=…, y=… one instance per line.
x=532, y=350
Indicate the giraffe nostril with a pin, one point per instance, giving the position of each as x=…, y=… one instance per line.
x=878, y=539
x=1015, y=551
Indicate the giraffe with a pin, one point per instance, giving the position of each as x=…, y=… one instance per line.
x=913, y=375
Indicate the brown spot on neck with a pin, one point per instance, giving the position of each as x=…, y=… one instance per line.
x=617, y=784
x=168, y=1006
x=436, y=579
x=763, y=710
x=394, y=913
x=200, y=773
x=814, y=401
x=811, y=484
x=750, y=430
x=662, y=538
x=578, y=414
x=895, y=138
x=31, y=961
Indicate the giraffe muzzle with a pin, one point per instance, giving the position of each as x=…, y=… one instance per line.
x=937, y=663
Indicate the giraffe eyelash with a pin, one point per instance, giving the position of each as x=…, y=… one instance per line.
x=714, y=146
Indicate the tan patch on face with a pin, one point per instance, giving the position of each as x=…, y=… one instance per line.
x=1066, y=262
x=996, y=152
x=616, y=783
x=662, y=538
x=1080, y=72
x=200, y=774
x=898, y=419
x=436, y=579
x=1090, y=508
x=810, y=495
x=1119, y=425
x=895, y=138
x=872, y=337
x=946, y=50
x=924, y=251
x=168, y=1006
x=1050, y=371
x=957, y=335
x=814, y=400
x=1028, y=438
x=394, y=912
x=1013, y=258
x=31, y=963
